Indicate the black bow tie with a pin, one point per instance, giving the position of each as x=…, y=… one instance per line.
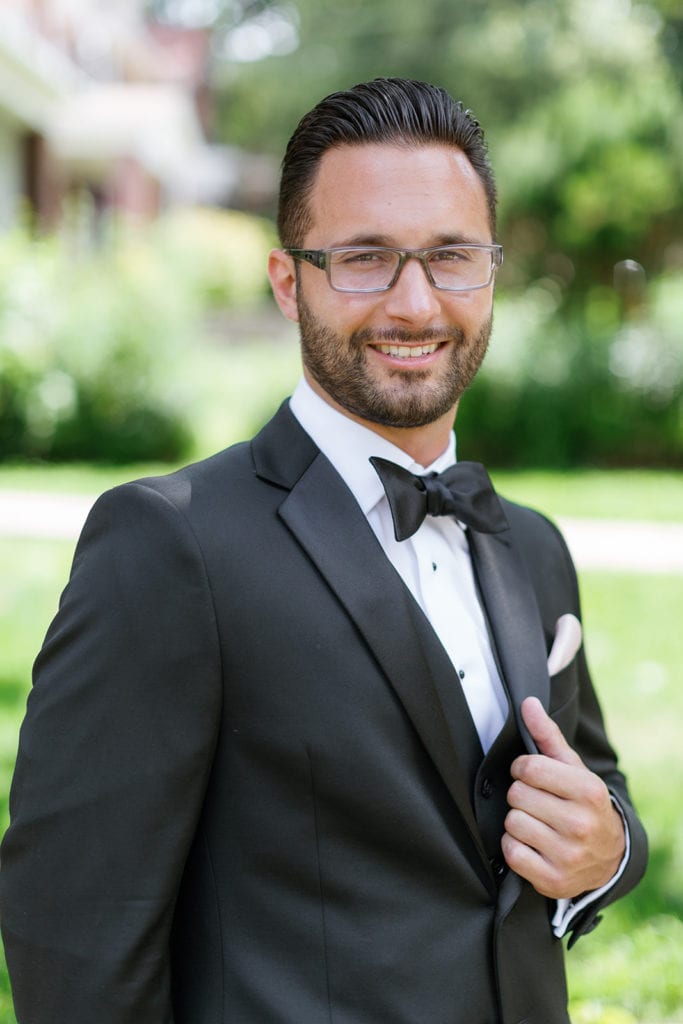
x=463, y=490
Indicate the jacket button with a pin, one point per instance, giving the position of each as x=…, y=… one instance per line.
x=486, y=789
x=497, y=866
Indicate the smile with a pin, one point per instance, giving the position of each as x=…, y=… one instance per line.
x=407, y=351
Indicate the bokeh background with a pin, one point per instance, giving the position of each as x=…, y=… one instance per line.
x=139, y=152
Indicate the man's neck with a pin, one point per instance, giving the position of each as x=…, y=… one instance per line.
x=424, y=444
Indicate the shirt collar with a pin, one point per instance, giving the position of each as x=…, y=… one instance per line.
x=348, y=445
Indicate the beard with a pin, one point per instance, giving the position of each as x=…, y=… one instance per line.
x=397, y=398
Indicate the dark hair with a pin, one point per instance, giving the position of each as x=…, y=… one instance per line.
x=386, y=110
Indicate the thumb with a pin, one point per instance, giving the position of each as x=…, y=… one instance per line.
x=546, y=734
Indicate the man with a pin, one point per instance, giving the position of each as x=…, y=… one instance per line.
x=279, y=765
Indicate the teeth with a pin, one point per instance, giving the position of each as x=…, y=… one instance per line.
x=407, y=351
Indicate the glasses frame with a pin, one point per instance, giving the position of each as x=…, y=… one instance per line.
x=319, y=258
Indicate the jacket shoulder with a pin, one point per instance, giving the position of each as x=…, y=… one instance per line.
x=527, y=522
x=542, y=545
x=227, y=465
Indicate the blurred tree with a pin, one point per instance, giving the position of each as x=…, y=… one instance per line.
x=583, y=107
x=581, y=101
x=242, y=30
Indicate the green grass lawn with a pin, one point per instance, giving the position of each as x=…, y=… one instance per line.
x=629, y=970
x=639, y=494
x=31, y=576
x=633, y=962
x=602, y=494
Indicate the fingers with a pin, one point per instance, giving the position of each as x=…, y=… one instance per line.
x=546, y=734
x=545, y=805
x=563, y=863
x=530, y=831
x=557, y=793
x=542, y=872
x=543, y=774
x=561, y=832
x=547, y=822
x=528, y=863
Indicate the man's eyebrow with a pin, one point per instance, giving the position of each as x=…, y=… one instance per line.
x=362, y=240
x=459, y=239
x=450, y=238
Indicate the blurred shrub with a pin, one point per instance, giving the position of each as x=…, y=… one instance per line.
x=85, y=340
x=220, y=254
x=580, y=385
x=90, y=340
x=99, y=353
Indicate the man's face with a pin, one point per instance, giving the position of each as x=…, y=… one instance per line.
x=400, y=358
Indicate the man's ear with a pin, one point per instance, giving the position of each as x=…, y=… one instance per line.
x=282, y=274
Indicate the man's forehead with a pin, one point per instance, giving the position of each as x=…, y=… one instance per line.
x=396, y=153
x=377, y=186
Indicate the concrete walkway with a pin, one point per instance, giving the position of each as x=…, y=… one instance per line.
x=594, y=543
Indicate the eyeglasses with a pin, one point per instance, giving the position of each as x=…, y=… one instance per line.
x=376, y=268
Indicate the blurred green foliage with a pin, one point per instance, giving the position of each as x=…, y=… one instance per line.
x=582, y=103
x=580, y=385
x=218, y=255
x=583, y=108
x=90, y=336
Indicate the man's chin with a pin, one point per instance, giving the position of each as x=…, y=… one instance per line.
x=401, y=409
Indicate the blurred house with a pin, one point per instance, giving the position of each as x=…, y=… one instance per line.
x=96, y=101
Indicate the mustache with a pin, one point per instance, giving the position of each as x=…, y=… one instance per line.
x=400, y=334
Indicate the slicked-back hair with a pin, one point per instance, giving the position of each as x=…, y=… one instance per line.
x=393, y=111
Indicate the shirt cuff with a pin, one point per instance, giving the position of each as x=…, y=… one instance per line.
x=567, y=909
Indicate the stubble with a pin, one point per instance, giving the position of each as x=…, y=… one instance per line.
x=403, y=398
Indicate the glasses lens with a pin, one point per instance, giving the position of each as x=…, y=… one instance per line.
x=453, y=268
x=362, y=270
x=460, y=267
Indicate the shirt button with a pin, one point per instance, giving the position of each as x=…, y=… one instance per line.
x=486, y=789
x=461, y=673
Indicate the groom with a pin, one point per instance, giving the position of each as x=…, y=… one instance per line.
x=295, y=752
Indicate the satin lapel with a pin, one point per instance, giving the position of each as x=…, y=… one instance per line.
x=327, y=522
x=514, y=618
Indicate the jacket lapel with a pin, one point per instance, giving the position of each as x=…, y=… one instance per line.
x=327, y=522
x=514, y=619
x=517, y=633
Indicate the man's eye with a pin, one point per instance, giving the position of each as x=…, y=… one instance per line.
x=450, y=256
x=364, y=257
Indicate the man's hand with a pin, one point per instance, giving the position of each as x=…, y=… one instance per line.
x=563, y=833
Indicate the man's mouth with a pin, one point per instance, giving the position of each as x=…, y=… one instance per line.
x=407, y=351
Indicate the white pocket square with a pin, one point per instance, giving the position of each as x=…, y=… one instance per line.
x=566, y=643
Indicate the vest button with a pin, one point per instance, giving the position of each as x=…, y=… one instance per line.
x=497, y=866
x=486, y=789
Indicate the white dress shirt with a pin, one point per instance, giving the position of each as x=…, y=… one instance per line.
x=435, y=565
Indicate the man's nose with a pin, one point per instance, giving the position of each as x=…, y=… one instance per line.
x=412, y=298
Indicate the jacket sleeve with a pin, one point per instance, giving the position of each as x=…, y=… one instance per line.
x=591, y=743
x=594, y=749
x=114, y=757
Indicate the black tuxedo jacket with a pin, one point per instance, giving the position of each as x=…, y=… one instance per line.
x=245, y=793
